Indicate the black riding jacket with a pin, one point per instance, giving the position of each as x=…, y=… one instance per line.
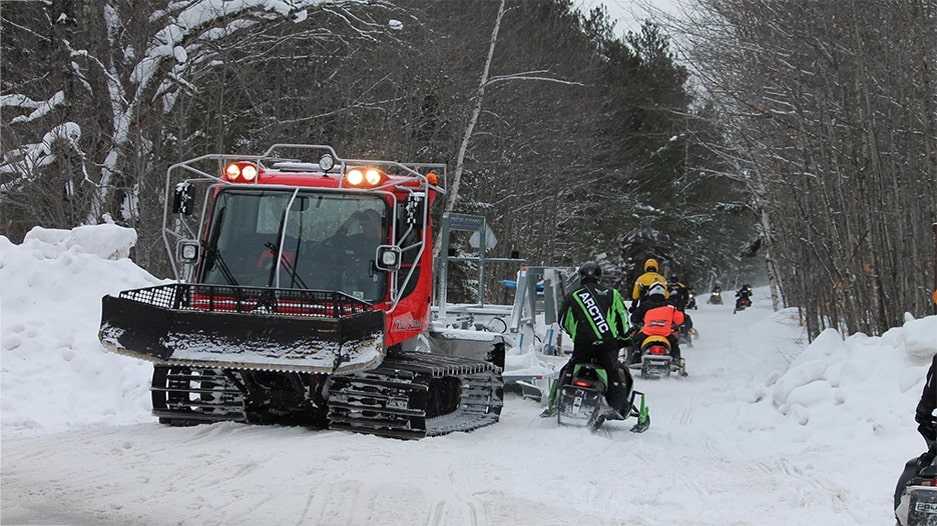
x=924, y=414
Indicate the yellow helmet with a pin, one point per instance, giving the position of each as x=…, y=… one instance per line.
x=651, y=265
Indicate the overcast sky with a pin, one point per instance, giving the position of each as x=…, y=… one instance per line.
x=628, y=14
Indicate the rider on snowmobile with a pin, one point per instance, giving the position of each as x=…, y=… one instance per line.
x=715, y=297
x=657, y=317
x=744, y=295
x=644, y=281
x=595, y=318
x=679, y=296
x=679, y=292
x=924, y=414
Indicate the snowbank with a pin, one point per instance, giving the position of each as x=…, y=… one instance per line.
x=835, y=383
x=53, y=372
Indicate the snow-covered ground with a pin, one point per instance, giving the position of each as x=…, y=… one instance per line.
x=766, y=430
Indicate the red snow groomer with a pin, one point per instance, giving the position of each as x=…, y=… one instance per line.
x=302, y=291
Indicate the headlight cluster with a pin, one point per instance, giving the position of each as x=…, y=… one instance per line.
x=241, y=172
x=365, y=177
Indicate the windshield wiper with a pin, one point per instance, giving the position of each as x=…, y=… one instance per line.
x=215, y=254
x=218, y=261
x=290, y=269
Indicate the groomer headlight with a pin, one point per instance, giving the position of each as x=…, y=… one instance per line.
x=354, y=177
x=241, y=172
x=365, y=177
x=249, y=172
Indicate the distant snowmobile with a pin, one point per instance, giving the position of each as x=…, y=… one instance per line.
x=691, y=302
x=715, y=297
x=744, y=298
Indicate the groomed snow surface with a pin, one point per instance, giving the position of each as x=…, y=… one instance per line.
x=766, y=430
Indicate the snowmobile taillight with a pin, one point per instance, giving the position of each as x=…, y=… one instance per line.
x=365, y=177
x=582, y=383
x=241, y=172
x=657, y=350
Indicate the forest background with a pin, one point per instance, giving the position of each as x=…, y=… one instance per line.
x=795, y=140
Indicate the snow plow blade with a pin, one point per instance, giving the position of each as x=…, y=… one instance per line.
x=244, y=328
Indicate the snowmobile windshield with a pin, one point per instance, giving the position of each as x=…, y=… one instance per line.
x=322, y=241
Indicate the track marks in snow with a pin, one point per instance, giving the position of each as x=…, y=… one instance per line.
x=458, y=506
x=704, y=498
x=465, y=512
x=339, y=503
x=307, y=508
x=801, y=488
x=683, y=416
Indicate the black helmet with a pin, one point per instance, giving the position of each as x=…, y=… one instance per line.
x=590, y=271
x=674, y=278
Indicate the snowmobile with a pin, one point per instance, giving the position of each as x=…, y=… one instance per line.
x=744, y=299
x=715, y=297
x=691, y=300
x=742, y=304
x=582, y=403
x=916, y=499
x=656, y=359
x=302, y=297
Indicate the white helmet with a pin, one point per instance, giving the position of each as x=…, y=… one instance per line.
x=657, y=289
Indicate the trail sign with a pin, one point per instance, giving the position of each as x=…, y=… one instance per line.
x=490, y=239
